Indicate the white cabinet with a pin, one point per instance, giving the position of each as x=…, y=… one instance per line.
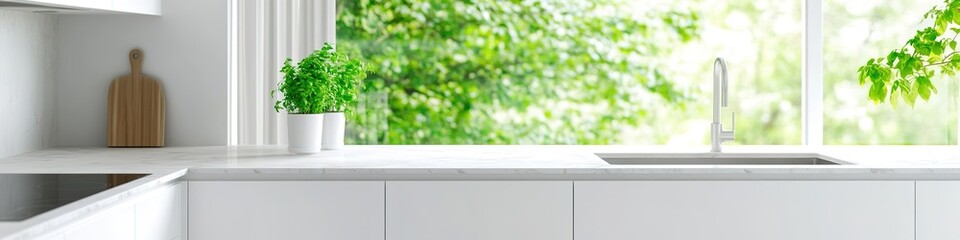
x=938, y=210
x=744, y=210
x=161, y=213
x=145, y=7
x=52, y=237
x=86, y=4
x=467, y=210
x=148, y=7
x=114, y=224
x=158, y=214
x=286, y=210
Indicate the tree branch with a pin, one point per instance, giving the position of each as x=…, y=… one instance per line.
x=945, y=60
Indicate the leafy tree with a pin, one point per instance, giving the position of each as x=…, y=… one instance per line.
x=508, y=72
x=906, y=73
x=854, y=31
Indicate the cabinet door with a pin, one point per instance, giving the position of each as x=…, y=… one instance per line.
x=466, y=210
x=137, y=6
x=744, y=210
x=88, y=4
x=938, y=210
x=52, y=237
x=114, y=224
x=287, y=210
x=161, y=213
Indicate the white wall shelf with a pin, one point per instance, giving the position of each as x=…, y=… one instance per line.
x=141, y=7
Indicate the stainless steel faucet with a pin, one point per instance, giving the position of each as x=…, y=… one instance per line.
x=717, y=134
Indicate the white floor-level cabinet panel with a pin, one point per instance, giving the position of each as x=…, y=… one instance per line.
x=114, y=224
x=158, y=214
x=162, y=213
x=475, y=210
x=52, y=237
x=744, y=210
x=938, y=210
x=289, y=210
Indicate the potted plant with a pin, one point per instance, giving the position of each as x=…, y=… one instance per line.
x=343, y=89
x=317, y=91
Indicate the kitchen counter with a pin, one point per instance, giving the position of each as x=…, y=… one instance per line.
x=480, y=162
x=445, y=163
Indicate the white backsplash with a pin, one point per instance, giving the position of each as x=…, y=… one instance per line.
x=185, y=49
x=28, y=83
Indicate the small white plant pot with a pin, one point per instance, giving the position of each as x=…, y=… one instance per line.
x=333, y=130
x=304, y=133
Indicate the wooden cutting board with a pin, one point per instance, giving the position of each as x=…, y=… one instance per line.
x=136, y=108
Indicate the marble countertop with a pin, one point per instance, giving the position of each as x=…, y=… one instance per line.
x=478, y=162
x=445, y=163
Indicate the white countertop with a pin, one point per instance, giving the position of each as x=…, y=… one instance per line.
x=445, y=163
x=452, y=161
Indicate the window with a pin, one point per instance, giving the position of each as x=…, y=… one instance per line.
x=596, y=71
x=573, y=72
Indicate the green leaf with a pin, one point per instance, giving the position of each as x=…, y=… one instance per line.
x=878, y=92
x=907, y=67
x=908, y=96
x=941, y=25
x=937, y=49
x=892, y=57
x=956, y=18
x=863, y=74
x=925, y=87
x=923, y=90
x=894, y=96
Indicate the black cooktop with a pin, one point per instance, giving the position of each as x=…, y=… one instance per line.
x=23, y=196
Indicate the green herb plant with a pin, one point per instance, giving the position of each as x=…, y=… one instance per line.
x=906, y=73
x=324, y=81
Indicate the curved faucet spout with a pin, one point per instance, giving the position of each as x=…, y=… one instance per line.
x=724, y=77
x=719, y=87
x=720, y=98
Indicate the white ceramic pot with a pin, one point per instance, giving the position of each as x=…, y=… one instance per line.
x=304, y=133
x=333, y=129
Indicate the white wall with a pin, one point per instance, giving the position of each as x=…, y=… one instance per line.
x=27, y=81
x=186, y=49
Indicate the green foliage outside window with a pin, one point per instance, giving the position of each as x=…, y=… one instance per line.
x=508, y=72
x=907, y=72
x=523, y=72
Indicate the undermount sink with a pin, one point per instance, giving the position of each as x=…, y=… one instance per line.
x=719, y=159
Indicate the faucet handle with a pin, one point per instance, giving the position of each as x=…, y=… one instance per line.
x=733, y=121
x=730, y=135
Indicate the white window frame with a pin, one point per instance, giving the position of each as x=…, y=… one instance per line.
x=812, y=92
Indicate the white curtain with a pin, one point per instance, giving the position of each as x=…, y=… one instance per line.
x=266, y=32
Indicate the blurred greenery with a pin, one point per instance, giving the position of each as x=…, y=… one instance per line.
x=619, y=71
x=509, y=72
